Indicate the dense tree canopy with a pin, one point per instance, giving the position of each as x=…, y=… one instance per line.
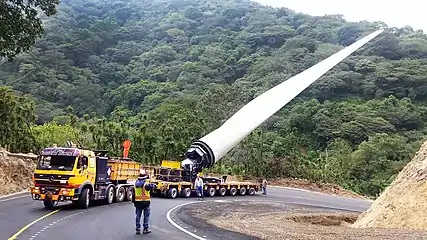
x=164, y=73
x=19, y=24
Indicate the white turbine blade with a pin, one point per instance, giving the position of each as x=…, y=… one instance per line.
x=253, y=114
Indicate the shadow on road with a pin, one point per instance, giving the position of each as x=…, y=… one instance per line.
x=64, y=207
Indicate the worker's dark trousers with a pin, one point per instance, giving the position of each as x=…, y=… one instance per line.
x=199, y=192
x=264, y=190
x=139, y=207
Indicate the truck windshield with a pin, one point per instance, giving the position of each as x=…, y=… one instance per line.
x=56, y=162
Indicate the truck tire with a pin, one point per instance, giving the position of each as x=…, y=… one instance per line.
x=121, y=194
x=252, y=191
x=84, y=199
x=109, y=195
x=129, y=193
x=172, y=193
x=233, y=191
x=186, y=192
x=222, y=191
x=242, y=191
x=211, y=192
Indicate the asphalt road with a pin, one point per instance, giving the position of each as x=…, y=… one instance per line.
x=117, y=221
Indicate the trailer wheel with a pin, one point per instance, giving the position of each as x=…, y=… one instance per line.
x=129, y=193
x=109, y=195
x=172, y=193
x=211, y=191
x=242, y=191
x=84, y=199
x=252, y=191
x=186, y=192
x=233, y=191
x=121, y=194
x=222, y=191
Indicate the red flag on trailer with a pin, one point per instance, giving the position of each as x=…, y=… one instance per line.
x=126, y=147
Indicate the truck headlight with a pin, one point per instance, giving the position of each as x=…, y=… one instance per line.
x=65, y=192
x=36, y=190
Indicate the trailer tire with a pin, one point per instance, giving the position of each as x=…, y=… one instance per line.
x=211, y=192
x=109, y=195
x=84, y=199
x=242, y=191
x=252, y=191
x=129, y=193
x=186, y=192
x=222, y=191
x=121, y=194
x=172, y=193
x=233, y=191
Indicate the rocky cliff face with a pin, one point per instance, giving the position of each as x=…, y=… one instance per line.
x=16, y=170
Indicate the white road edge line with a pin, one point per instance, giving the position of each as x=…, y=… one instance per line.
x=321, y=193
x=291, y=188
x=168, y=216
x=8, y=197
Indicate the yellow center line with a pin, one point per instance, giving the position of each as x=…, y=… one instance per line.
x=30, y=224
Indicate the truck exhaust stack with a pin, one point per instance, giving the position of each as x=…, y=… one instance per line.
x=211, y=148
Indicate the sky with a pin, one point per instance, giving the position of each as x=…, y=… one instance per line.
x=395, y=13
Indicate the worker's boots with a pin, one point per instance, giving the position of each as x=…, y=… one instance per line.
x=145, y=231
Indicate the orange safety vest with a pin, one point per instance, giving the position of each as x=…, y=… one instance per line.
x=141, y=194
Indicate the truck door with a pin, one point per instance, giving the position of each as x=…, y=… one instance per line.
x=103, y=171
x=83, y=166
x=92, y=169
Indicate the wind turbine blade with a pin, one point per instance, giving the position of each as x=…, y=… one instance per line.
x=212, y=147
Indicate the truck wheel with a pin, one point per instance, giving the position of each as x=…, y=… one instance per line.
x=233, y=191
x=222, y=191
x=211, y=191
x=173, y=193
x=129, y=193
x=84, y=199
x=48, y=204
x=242, y=191
x=121, y=194
x=252, y=191
x=186, y=192
x=109, y=195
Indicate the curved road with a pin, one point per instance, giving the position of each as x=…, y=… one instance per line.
x=117, y=221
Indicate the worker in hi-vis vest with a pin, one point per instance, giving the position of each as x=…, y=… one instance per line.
x=141, y=201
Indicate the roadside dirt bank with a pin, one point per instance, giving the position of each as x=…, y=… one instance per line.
x=404, y=203
x=277, y=221
x=327, y=188
x=16, y=170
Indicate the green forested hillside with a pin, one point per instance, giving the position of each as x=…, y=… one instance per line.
x=166, y=72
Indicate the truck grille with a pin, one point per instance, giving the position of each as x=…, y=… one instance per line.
x=49, y=183
x=55, y=177
x=51, y=179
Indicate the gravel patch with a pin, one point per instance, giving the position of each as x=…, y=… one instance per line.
x=190, y=218
x=273, y=220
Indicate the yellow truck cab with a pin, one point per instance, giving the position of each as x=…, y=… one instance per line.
x=73, y=174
